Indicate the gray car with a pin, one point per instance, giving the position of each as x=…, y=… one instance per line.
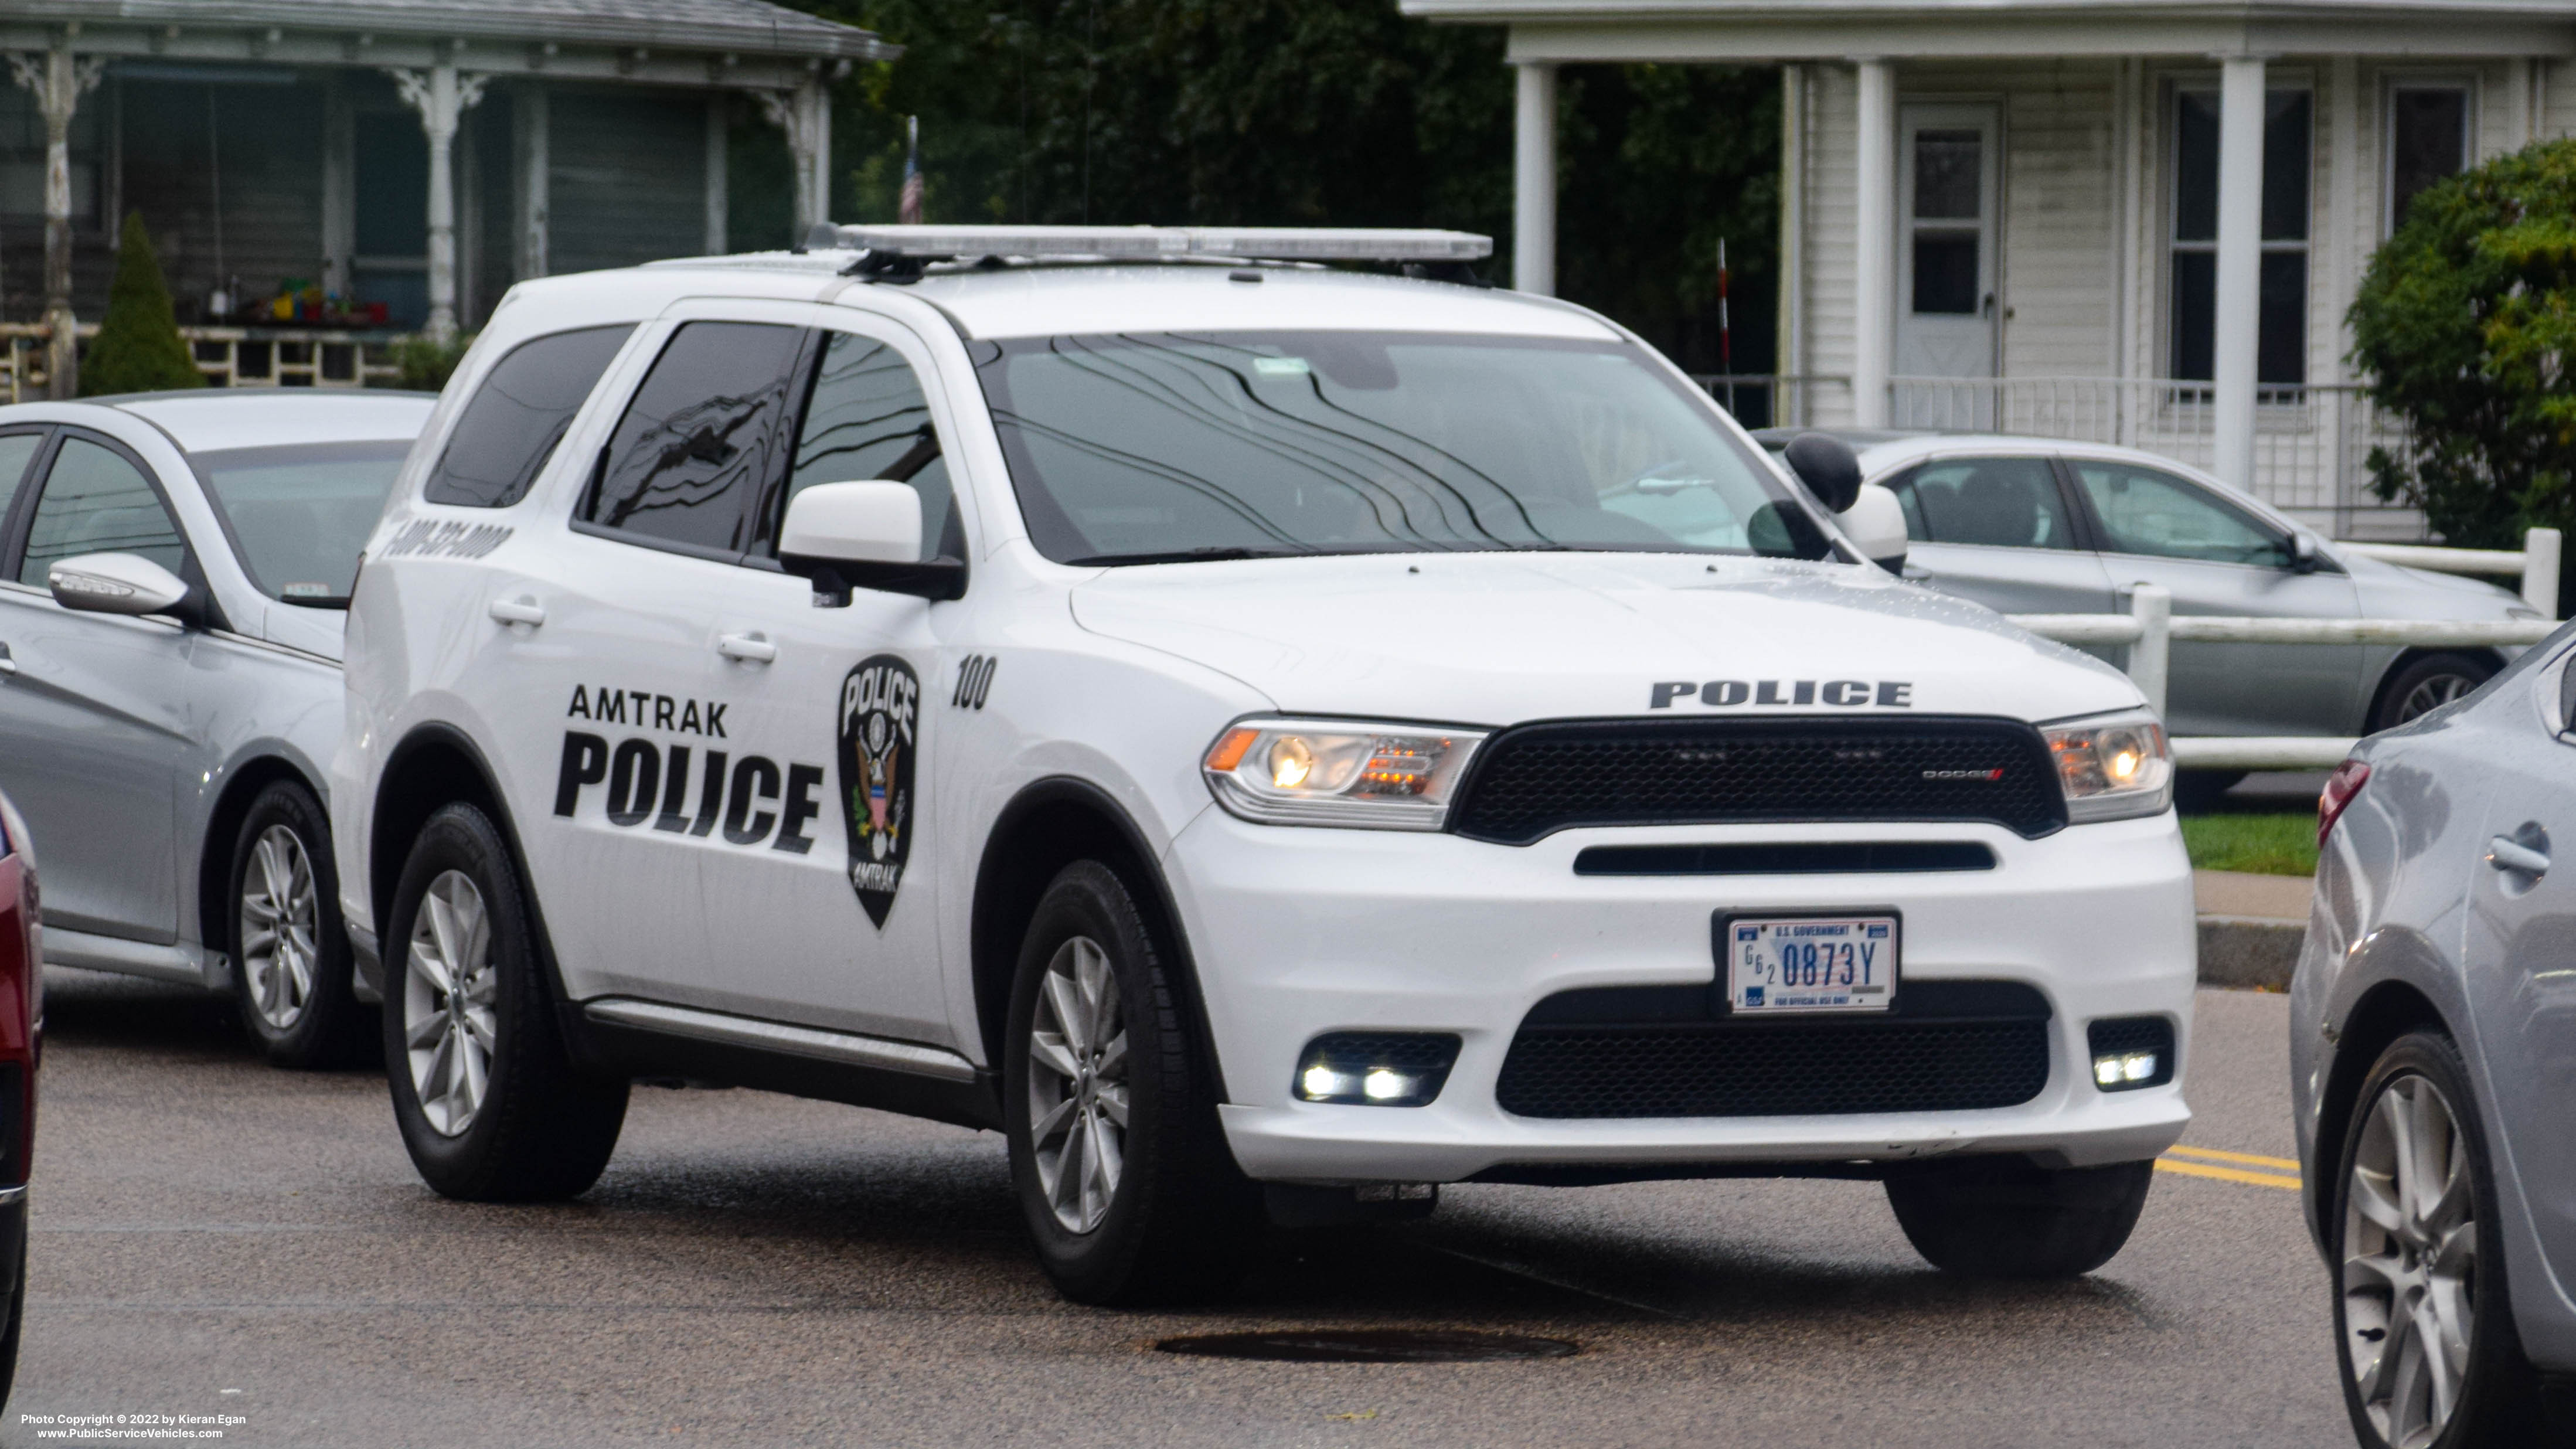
x=2433, y=1063
x=2045, y=526
x=174, y=577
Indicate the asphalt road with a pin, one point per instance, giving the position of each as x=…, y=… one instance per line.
x=212, y=1237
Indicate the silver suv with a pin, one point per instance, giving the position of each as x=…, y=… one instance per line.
x=174, y=575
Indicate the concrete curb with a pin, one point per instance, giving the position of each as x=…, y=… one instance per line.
x=2249, y=952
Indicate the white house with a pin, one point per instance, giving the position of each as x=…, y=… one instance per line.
x=2129, y=220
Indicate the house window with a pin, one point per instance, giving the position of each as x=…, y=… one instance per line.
x=22, y=156
x=2281, y=353
x=2428, y=140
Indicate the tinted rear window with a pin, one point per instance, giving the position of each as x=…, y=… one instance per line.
x=518, y=415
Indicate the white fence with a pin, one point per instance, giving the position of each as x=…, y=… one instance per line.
x=2150, y=629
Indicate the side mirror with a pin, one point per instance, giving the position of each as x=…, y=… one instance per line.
x=1875, y=523
x=863, y=535
x=2303, y=554
x=115, y=583
x=1828, y=468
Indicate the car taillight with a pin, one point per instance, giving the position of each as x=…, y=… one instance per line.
x=2341, y=786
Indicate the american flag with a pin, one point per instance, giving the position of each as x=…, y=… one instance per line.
x=908, y=209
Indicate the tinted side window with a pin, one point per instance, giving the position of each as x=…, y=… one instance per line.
x=516, y=417
x=868, y=419
x=17, y=450
x=702, y=437
x=96, y=502
x=2001, y=502
x=2156, y=514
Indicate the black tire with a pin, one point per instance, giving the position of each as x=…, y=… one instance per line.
x=1178, y=1224
x=2498, y=1399
x=329, y=1026
x=2203, y=789
x=2424, y=683
x=2006, y=1217
x=17, y=1306
x=540, y=1130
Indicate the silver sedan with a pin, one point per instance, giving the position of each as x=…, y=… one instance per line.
x=174, y=574
x=2433, y=1064
x=2044, y=526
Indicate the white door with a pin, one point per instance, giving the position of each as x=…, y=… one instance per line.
x=1946, y=307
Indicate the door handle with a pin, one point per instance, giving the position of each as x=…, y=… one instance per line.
x=2508, y=854
x=749, y=648
x=518, y=611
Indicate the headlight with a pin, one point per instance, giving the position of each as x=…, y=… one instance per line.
x=1334, y=772
x=2112, y=768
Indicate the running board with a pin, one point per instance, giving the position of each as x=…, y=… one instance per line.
x=846, y=1048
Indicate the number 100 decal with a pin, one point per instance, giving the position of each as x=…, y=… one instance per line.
x=974, y=681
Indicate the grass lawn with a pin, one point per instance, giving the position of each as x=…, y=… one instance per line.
x=2269, y=843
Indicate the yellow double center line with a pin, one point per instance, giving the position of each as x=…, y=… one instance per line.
x=2281, y=1172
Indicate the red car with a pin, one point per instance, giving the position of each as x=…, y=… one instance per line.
x=22, y=996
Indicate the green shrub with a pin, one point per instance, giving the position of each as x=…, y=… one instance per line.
x=2465, y=326
x=138, y=347
x=426, y=362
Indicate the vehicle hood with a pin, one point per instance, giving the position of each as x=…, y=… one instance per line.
x=2394, y=591
x=1501, y=638
x=314, y=631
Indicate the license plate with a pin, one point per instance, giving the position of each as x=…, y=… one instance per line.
x=1810, y=963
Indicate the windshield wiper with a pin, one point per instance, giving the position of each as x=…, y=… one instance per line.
x=1188, y=555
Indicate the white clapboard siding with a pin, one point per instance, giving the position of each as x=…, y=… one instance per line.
x=2059, y=219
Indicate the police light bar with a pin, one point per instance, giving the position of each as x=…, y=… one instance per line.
x=1156, y=243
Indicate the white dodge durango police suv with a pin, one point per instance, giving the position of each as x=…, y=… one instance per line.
x=1269, y=738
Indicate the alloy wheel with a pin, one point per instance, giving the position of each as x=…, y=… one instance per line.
x=448, y=990
x=281, y=928
x=2409, y=1263
x=1078, y=1084
x=2431, y=694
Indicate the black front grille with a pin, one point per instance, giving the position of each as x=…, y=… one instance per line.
x=1531, y=781
x=1672, y=1052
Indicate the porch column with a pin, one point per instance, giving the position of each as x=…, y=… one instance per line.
x=719, y=184
x=1874, y=247
x=339, y=191
x=1534, y=182
x=528, y=119
x=441, y=96
x=2240, y=265
x=58, y=81
x=805, y=114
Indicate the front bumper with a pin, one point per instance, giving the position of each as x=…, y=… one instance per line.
x=1297, y=932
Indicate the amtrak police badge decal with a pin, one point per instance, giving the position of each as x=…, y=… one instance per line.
x=880, y=719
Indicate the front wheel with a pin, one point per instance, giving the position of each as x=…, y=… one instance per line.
x=2428, y=1353
x=490, y=1106
x=290, y=950
x=2007, y=1217
x=1122, y=1171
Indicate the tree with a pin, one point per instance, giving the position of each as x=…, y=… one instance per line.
x=1308, y=113
x=2466, y=327
x=138, y=347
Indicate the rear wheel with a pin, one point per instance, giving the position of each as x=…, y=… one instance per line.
x=290, y=950
x=1122, y=1171
x=488, y=1101
x=2428, y=1352
x=2425, y=684
x=2007, y=1217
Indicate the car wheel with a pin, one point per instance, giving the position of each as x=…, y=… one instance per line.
x=2007, y=1217
x=2426, y=684
x=17, y=1308
x=2426, y=1343
x=490, y=1105
x=290, y=951
x=1130, y=1192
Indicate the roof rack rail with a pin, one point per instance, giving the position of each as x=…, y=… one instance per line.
x=1153, y=243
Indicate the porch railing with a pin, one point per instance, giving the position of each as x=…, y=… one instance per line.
x=228, y=356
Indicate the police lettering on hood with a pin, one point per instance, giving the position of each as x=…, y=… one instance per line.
x=880, y=717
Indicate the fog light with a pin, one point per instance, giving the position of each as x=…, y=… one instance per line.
x=1376, y=1069
x=2131, y=1052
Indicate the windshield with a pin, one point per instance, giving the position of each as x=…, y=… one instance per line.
x=300, y=513
x=1148, y=448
